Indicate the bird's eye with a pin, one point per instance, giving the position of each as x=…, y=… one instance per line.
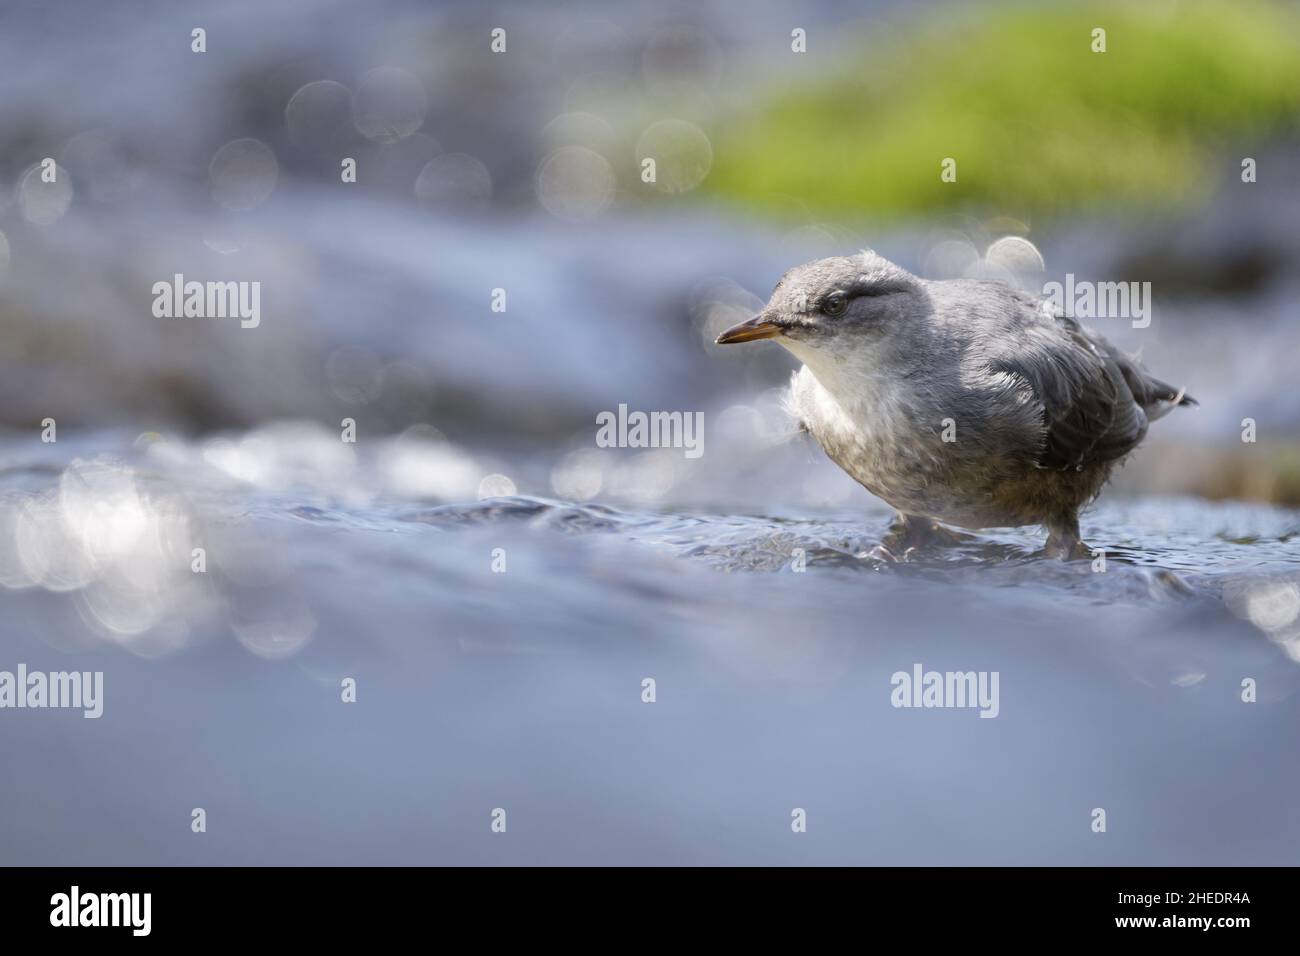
x=834, y=305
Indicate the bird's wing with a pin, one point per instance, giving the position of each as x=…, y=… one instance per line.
x=1085, y=386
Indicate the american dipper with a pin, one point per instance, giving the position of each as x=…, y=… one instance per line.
x=965, y=402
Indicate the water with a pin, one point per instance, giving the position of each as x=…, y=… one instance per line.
x=522, y=689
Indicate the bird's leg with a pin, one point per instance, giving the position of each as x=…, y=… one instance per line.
x=1063, y=539
x=908, y=531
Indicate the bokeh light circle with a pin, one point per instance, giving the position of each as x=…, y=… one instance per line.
x=682, y=153
x=389, y=105
x=44, y=203
x=454, y=179
x=575, y=184
x=316, y=112
x=243, y=174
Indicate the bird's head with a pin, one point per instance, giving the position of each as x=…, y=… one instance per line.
x=834, y=306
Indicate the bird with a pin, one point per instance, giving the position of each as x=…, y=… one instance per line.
x=962, y=403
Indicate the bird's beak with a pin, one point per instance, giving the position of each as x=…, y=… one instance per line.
x=759, y=327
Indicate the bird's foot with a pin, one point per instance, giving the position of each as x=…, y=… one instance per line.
x=1063, y=539
x=1067, y=550
x=881, y=556
x=911, y=533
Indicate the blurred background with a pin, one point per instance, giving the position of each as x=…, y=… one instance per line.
x=521, y=171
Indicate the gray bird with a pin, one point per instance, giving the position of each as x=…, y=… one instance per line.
x=965, y=402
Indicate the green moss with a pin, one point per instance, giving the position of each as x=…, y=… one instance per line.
x=1038, y=123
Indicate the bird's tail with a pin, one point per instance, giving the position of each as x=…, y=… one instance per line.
x=1157, y=398
x=1167, y=398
